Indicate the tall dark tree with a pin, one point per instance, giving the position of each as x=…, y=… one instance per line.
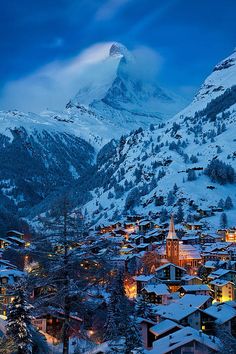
x=133, y=338
x=19, y=326
x=144, y=309
x=228, y=203
x=223, y=221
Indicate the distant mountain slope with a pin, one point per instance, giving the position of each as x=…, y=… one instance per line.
x=38, y=157
x=147, y=164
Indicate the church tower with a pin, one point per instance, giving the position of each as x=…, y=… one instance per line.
x=172, y=244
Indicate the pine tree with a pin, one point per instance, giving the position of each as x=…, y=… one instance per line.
x=228, y=203
x=223, y=221
x=144, y=309
x=170, y=198
x=118, y=310
x=180, y=214
x=191, y=175
x=163, y=215
x=19, y=326
x=133, y=337
x=175, y=189
x=221, y=203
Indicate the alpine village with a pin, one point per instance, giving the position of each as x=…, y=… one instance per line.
x=118, y=218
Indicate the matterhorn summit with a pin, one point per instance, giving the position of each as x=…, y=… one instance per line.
x=118, y=98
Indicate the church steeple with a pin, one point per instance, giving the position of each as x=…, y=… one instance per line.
x=172, y=234
x=172, y=244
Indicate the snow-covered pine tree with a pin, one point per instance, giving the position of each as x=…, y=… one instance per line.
x=61, y=260
x=228, y=203
x=180, y=214
x=19, y=326
x=144, y=309
x=170, y=198
x=221, y=203
x=133, y=337
x=223, y=221
x=118, y=310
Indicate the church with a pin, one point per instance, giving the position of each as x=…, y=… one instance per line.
x=178, y=253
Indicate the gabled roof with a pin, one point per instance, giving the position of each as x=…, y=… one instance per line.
x=163, y=327
x=196, y=287
x=220, y=282
x=223, y=312
x=158, y=289
x=169, y=264
x=182, y=337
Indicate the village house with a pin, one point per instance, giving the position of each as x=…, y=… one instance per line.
x=223, y=290
x=230, y=235
x=52, y=324
x=190, y=280
x=7, y=278
x=225, y=316
x=185, y=340
x=199, y=289
x=170, y=274
x=156, y=293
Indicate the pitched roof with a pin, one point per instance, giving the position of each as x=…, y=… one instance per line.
x=163, y=327
x=158, y=289
x=182, y=337
x=223, y=312
x=196, y=287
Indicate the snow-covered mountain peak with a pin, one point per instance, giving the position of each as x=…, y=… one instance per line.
x=118, y=49
x=115, y=90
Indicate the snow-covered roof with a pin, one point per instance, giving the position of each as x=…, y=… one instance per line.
x=188, y=277
x=220, y=282
x=169, y=264
x=175, y=311
x=143, y=277
x=182, y=337
x=163, y=327
x=219, y=272
x=223, y=312
x=194, y=300
x=158, y=289
x=196, y=287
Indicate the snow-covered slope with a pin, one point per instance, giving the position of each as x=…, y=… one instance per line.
x=146, y=164
x=38, y=156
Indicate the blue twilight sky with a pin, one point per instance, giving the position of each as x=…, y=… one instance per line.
x=188, y=37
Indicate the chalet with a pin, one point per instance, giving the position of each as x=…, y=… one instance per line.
x=52, y=324
x=230, y=235
x=225, y=315
x=4, y=243
x=190, y=239
x=191, y=280
x=205, y=212
x=193, y=226
x=187, y=311
x=185, y=340
x=7, y=278
x=145, y=225
x=171, y=275
x=199, y=289
x=156, y=293
x=210, y=238
x=223, y=290
x=142, y=280
x=226, y=274
x=163, y=329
